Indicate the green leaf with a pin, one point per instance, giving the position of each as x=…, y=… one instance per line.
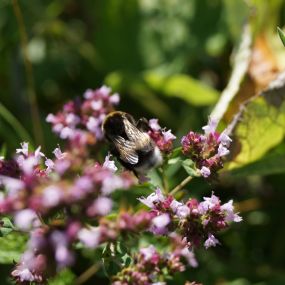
x=272, y=163
x=236, y=12
x=281, y=35
x=260, y=125
x=6, y=226
x=134, y=85
x=155, y=178
x=176, y=152
x=175, y=160
x=184, y=87
x=3, y=150
x=11, y=247
x=15, y=124
x=65, y=277
x=115, y=256
x=189, y=167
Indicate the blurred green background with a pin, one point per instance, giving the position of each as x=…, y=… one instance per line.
x=168, y=59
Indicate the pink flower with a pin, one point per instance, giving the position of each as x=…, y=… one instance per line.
x=90, y=237
x=13, y=185
x=148, y=252
x=183, y=211
x=211, y=241
x=211, y=127
x=50, y=165
x=24, y=150
x=161, y=221
x=26, y=219
x=207, y=150
x=51, y=196
x=163, y=139
x=159, y=224
x=115, y=99
x=168, y=136
x=80, y=122
x=222, y=151
x=152, y=198
x=97, y=104
x=102, y=206
x=23, y=274
x=153, y=123
x=174, y=205
x=205, y=171
x=230, y=215
x=225, y=139
x=58, y=153
x=189, y=256
x=110, y=164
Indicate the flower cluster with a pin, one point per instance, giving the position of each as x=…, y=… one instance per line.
x=65, y=203
x=163, y=139
x=208, y=149
x=65, y=181
x=52, y=199
x=196, y=222
x=48, y=250
x=111, y=230
x=149, y=268
x=80, y=121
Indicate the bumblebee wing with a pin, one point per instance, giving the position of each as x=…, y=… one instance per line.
x=127, y=150
x=142, y=140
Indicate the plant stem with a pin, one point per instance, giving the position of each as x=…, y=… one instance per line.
x=241, y=63
x=88, y=273
x=164, y=179
x=181, y=185
x=15, y=124
x=38, y=134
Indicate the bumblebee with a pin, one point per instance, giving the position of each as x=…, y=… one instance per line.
x=130, y=142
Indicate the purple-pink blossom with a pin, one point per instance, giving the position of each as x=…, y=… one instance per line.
x=207, y=150
x=163, y=139
x=81, y=121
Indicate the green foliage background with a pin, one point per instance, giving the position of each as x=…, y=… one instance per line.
x=168, y=59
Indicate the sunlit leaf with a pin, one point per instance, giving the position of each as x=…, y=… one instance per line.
x=281, y=35
x=188, y=165
x=184, y=87
x=260, y=125
x=11, y=247
x=272, y=163
x=134, y=85
x=65, y=277
x=236, y=13
x=6, y=226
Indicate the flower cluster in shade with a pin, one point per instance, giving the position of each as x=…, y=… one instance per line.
x=162, y=138
x=151, y=268
x=43, y=185
x=51, y=248
x=80, y=120
x=51, y=200
x=197, y=222
x=207, y=150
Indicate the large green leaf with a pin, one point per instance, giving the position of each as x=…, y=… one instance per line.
x=65, y=277
x=281, y=35
x=6, y=226
x=11, y=247
x=184, y=87
x=15, y=124
x=260, y=125
x=272, y=163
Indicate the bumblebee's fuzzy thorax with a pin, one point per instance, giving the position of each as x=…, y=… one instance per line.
x=130, y=143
